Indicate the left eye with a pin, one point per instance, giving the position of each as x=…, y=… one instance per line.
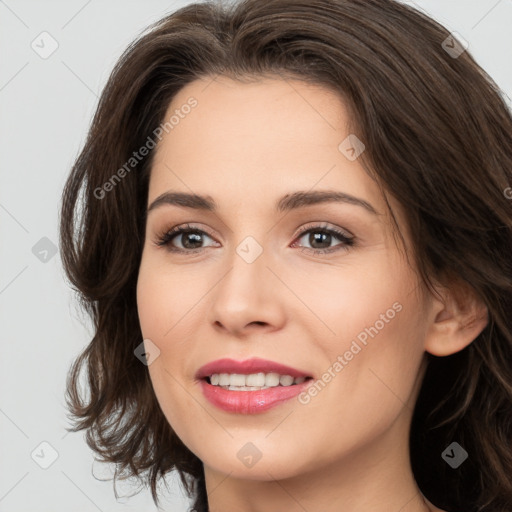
x=324, y=237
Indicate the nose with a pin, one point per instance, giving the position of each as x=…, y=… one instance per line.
x=248, y=298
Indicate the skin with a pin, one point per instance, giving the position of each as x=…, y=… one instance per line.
x=246, y=145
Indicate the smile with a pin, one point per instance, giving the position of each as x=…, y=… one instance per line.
x=250, y=387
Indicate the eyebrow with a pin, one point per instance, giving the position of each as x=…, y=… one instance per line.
x=286, y=203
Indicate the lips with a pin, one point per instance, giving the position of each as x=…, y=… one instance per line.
x=253, y=365
x=255, y=401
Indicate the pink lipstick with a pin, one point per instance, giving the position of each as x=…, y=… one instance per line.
x=251, y=386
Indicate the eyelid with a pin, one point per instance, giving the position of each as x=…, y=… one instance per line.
x=324, y=225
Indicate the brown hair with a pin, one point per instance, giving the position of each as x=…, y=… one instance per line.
x=438, y=136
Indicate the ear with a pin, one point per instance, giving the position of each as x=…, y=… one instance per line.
x=458, y=316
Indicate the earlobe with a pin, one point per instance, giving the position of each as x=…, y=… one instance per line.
x=458, y=317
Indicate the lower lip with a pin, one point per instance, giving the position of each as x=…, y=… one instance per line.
x=250, y=402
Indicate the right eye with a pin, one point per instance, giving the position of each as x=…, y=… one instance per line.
x=189, y=237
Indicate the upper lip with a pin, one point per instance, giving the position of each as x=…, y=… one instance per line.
x=253, y=365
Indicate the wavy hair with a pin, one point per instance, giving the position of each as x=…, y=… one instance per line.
x=438, y=136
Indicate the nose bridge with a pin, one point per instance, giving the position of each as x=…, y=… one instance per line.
x=248, y=269
x=246, y=294
x=250, y=240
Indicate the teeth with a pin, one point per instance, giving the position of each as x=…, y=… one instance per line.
x=272, y=379
x=254, y=381
x=237, y=379
x=286, y=380
x=224, y=379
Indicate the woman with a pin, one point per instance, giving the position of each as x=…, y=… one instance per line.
x=295, y=245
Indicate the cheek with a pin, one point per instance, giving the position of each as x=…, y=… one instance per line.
x=359, y=298
x=381, y=359
x=373, y=331
x=164, y=316
x=371, y=371
x=164, y=295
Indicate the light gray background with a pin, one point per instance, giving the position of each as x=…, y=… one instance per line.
x=45, y=109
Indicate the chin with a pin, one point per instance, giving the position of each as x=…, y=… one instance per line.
x=257, y=460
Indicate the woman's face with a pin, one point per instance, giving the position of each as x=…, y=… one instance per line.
x=248, y=283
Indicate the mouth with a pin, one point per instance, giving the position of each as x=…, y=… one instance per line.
x=249, y=367
x=252, y=386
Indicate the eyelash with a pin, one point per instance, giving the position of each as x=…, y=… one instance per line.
x=164, y=239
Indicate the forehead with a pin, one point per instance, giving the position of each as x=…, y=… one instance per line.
x=269, y=117
x=270, y=124
x=258, y=136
